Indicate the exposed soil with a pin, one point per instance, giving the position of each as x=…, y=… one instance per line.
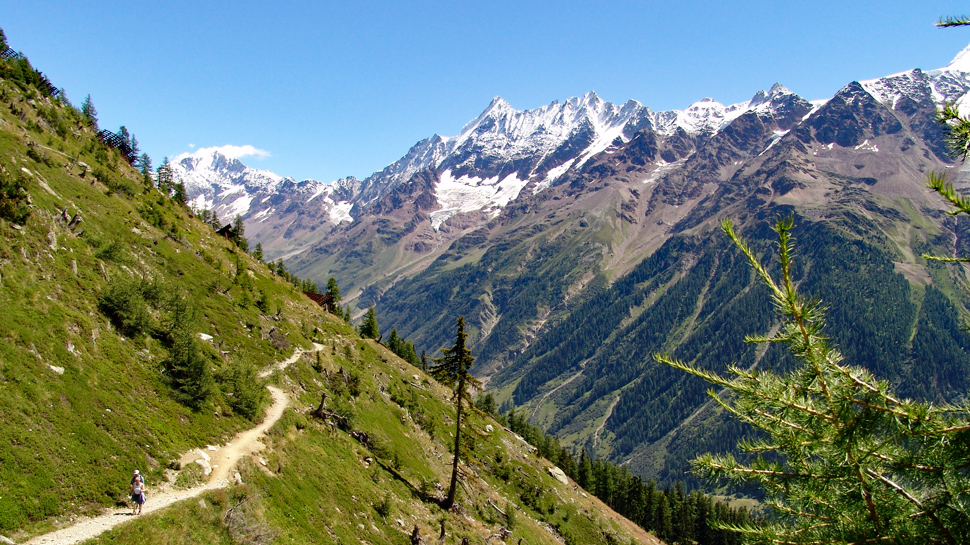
x=222, y=461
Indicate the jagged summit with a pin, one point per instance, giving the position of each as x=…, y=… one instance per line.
x=503, y=150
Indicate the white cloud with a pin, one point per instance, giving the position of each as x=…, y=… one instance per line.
x=230, y=151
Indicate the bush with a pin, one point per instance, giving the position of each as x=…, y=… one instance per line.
x=13, y=197
x=248, y=394
x=108, y=250
x=124, y=304
x=383, y=507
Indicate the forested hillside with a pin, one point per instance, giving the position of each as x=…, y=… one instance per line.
x=136, y=332
x=571, y=290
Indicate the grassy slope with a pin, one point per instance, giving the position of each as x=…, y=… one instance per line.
x=320, y=485
x=81, y=405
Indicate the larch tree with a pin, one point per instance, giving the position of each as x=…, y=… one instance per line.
x=369, y=328
x=453, y=370
x=841, y=458
x=334, y=291
x=90, y=112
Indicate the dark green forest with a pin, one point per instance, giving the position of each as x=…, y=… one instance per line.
x=696, y=297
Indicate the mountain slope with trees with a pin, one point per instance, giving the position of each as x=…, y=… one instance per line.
x=134, y=331
x=570, y=287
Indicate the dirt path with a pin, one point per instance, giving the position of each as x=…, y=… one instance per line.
x=609, y=413
x=221, y=461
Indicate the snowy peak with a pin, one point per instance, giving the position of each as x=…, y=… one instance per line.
x=207, y=169
x=708, y=116
x=961, y=62
x=218, y=182
x=948, y=84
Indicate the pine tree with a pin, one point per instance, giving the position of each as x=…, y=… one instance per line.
x=145, y=162
x=188, y=371
x=394, y=342
x=586, y=479
x=334, y=291
x=164, y=178
x=486, y=404
x=180, y=194
x=90, y=112
x=409, y=354
x=452, y=370
x=663, y=519
x=369, y=328
x=258, y=252
x=238, y=235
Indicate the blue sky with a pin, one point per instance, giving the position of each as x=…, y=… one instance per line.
x=328, y=90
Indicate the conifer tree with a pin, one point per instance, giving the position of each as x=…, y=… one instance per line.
x=409, y=354
x=334, y=291
x=180, y=194
x=188, y=370
x=453, y=370
x=164, y=178
x=663, y=519
x=586, y=479
x=258, y=252
x=90, y=112
x=394, y=342
x=239, y=231
x=145, y=162
x=841, y=458
x=369, y=328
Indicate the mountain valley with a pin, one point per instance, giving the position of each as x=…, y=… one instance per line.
x=580, y=238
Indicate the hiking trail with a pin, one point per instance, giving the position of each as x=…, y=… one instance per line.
x=221, y=461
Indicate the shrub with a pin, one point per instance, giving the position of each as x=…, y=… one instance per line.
x=108, y=250
x=248, y=394
x=383, y=507
x=125, y=305
x=13, y=197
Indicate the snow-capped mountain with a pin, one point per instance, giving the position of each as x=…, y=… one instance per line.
x=228, y=187
x=483, y=168
x=503, y=151
x=526, y=221
x=225, y=184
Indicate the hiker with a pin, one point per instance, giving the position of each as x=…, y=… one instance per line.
x=137, y=492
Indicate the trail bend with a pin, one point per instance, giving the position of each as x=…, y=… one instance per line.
x=222, y=461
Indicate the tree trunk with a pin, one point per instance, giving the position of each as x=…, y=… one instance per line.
x=450, y=500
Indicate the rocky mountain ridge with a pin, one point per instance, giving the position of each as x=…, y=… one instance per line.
x=482, y=169
x=574, y=264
